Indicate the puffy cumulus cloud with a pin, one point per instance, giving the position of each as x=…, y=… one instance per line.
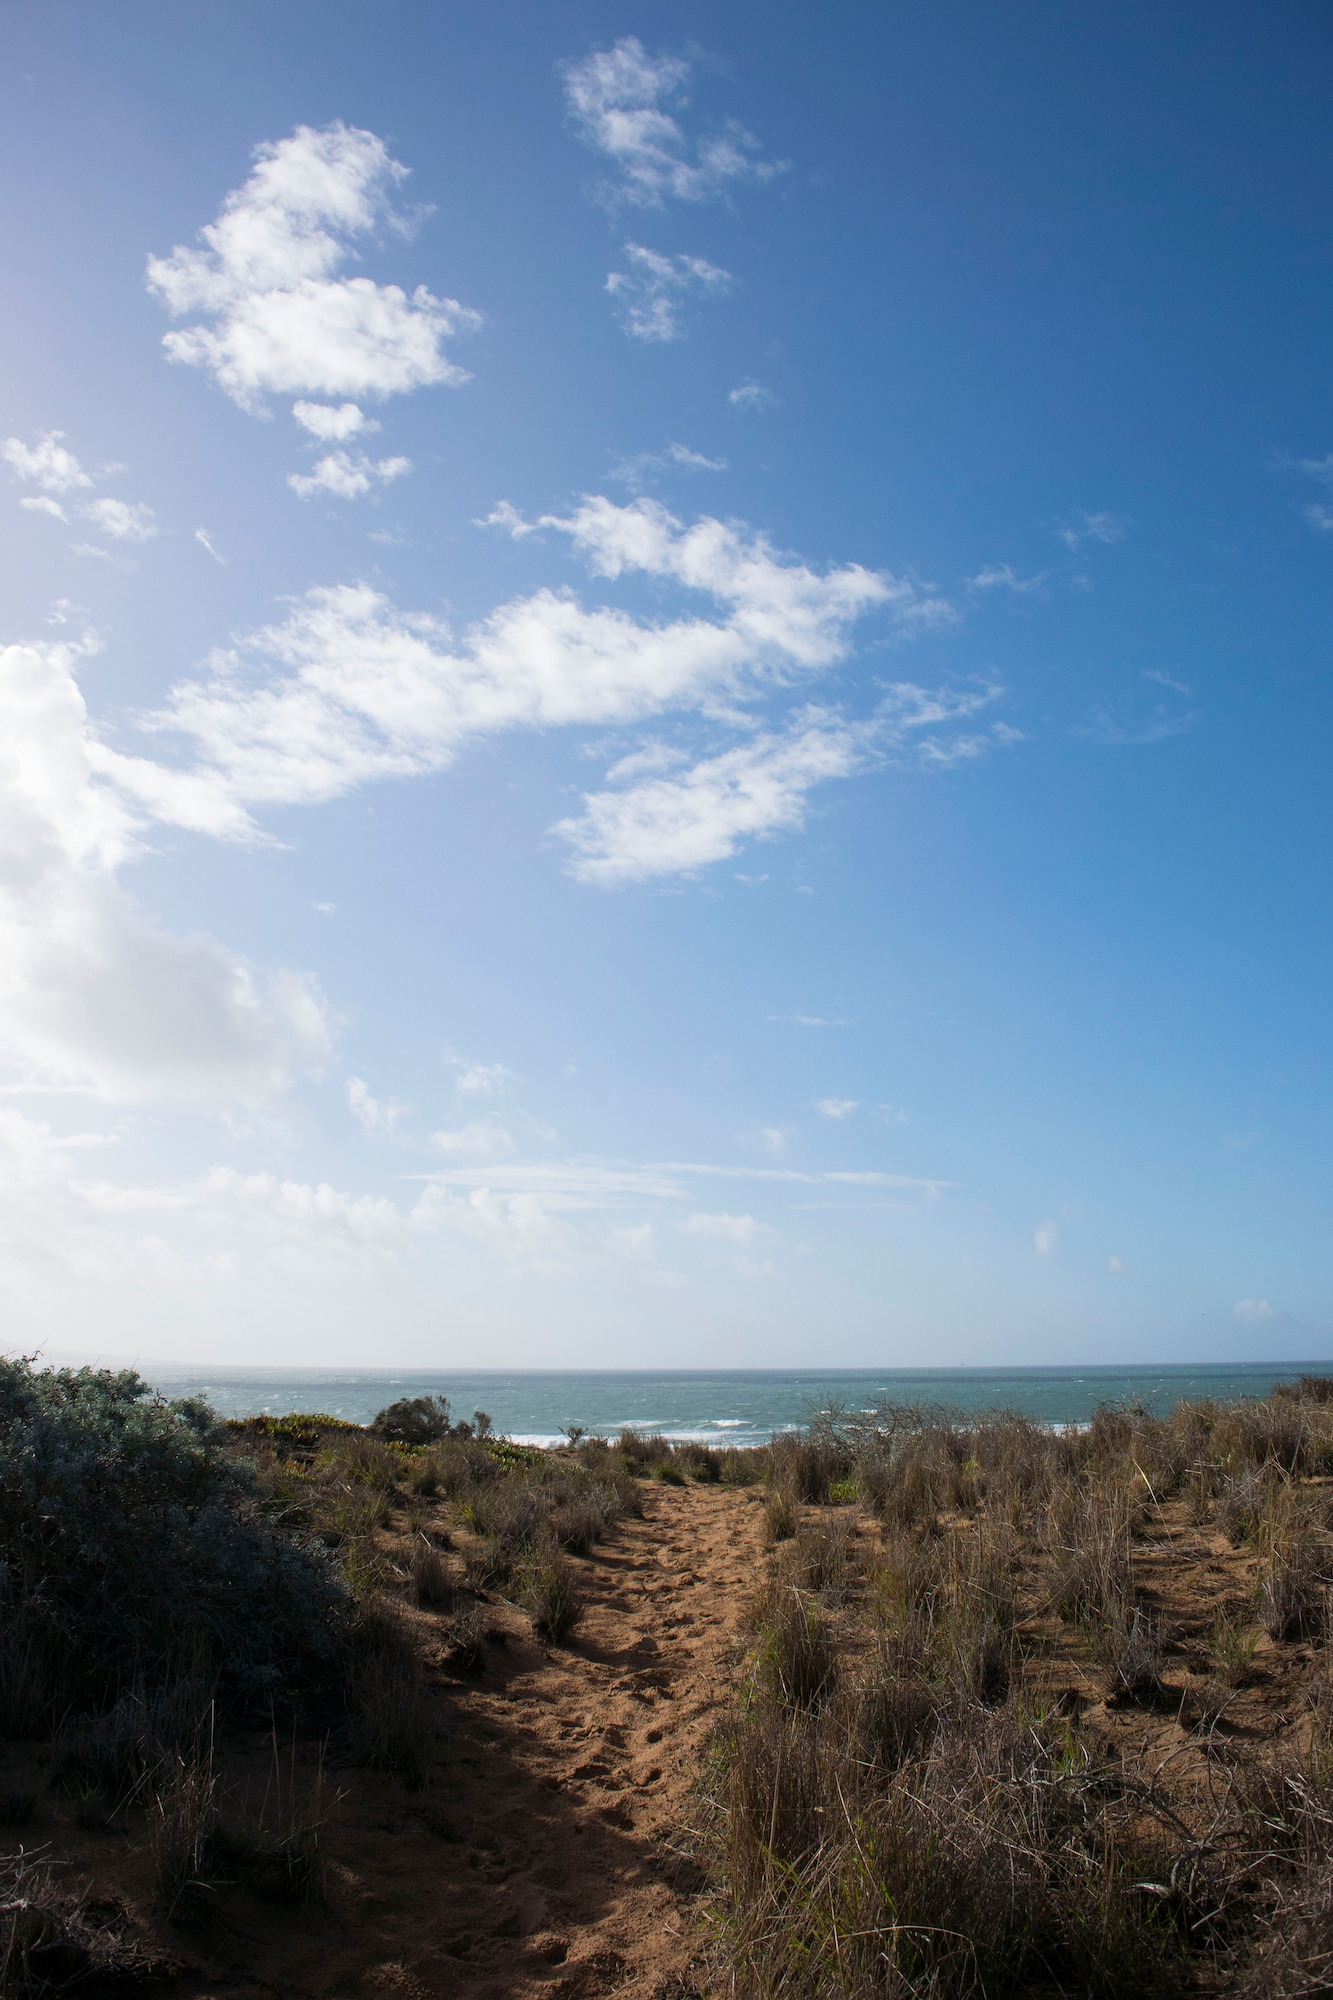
x=52, y=466
x=1254, y=1312
x=123, y=520
x=617, y=99
x=93, y=993
x=347, y=689
x=751, y=395
x=648, y=296
x=344, y=477
x=48, y=464
x=276, y=316
x=330, y=422
x=837, y=1107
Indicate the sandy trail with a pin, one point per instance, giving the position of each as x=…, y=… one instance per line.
x=544, y=1859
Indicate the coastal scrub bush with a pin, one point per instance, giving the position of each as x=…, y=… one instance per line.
x=133, y=1549
x=415, y=1420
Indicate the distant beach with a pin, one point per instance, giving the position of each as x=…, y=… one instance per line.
x=743, y=1406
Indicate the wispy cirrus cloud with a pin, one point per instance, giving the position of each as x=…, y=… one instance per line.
x=752, y=396
x=1000, y=576
x=1080, y=527
x=650, y=294
x=641, y=470
x=679, y=824
x=618, y=101
x=276, y=315
x=679, y=821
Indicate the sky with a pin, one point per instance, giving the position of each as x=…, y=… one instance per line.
x=664, y=685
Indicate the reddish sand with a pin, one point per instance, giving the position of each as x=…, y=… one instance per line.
x=549, y=1853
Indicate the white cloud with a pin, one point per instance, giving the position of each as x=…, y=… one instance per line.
x=1155, y=726
x=999, y=576
x=125, y=520
x=648, y=296
x=836, y=1107
x=347, y=689
x=1082, y=527
x=1115, y=1264
x=773, y=1138
x=616, y=98
x=47, y=464
x=597, y=1183
x=811, y=1020
x=667, y=826
x=481, y=1140
x=373, y=1114
x=205, y=541
x=52, y=466
x=346, y=477
x=684, y=821
x=275, y=317
x=639, y=471
x=330, y=423
x=892, y=1114
x=740, y=1230
x=93, y=993
x=1045, y=1237
x=751, y=395
x=1253, y=1311
x=477, y=1079
x=506, y=517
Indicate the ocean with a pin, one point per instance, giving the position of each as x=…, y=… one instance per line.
x=731, y=1406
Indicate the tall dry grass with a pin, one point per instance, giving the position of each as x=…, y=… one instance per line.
x=893, y=1805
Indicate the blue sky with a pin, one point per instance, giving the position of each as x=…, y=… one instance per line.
x=664, y=681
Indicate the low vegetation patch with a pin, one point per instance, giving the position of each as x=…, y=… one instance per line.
x=992, y=1737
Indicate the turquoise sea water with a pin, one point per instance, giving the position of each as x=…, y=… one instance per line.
x=733, y=1406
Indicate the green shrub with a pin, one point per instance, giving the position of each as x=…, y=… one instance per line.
x=415, y=1420
x=132, y=1549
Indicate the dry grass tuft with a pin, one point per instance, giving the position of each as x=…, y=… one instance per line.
x=392, y=1723
x=549, y=1592
x=780, y=1516
x=432, y=1579
x=54, y=1942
